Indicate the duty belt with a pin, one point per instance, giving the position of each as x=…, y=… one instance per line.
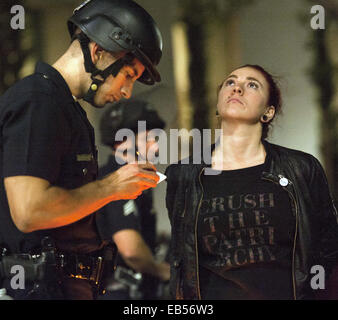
x=82, y=267
x=88, y=267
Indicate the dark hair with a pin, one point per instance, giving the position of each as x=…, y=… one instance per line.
x=275, y=98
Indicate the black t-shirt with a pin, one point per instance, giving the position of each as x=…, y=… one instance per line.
x=46, y=134
x=245, y=233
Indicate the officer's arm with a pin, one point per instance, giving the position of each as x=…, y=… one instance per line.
x=137, y=254
x=35, y=204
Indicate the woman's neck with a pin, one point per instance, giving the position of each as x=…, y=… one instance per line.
x=239, y=147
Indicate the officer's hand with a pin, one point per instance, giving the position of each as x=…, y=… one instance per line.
x=129, y=181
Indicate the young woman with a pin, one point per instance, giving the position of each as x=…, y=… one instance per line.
x=255, y=229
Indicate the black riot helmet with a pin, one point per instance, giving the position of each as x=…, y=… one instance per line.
x=125, y=114
x=118, y=26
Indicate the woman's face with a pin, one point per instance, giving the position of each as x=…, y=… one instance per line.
x=244, y=95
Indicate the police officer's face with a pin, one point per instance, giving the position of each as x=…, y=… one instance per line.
x=121, y=86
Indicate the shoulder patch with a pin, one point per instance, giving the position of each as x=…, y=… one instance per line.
x=129, y=208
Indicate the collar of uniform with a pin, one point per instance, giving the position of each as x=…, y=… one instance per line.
x=53, y=75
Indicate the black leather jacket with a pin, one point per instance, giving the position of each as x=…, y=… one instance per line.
x=316, y=233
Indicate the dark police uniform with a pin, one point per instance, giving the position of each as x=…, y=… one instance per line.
x=137, y=215
x=46, y=134
x=117, y=215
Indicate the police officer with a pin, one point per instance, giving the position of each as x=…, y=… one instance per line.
x=131, y=224
x=48, y=158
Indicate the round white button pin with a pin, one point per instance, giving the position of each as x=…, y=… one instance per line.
x=283, y=182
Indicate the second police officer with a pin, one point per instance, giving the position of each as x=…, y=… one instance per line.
x=131, y=225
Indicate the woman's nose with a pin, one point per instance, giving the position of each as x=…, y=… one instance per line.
x=237, y=89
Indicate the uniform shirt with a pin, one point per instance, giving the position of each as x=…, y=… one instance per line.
x=46, y=134
x=135, y=214
x=116, y=215
x=246, y=232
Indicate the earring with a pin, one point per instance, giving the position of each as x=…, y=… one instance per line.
x=265, y=118
x=217, y=114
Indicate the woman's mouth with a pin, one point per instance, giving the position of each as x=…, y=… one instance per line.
x=235, y=100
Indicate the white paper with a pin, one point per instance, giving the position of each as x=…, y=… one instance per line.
x=162, y=176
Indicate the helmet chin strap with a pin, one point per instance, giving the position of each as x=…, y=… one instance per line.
x=113, y=69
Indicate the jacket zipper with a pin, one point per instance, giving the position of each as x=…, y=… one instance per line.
x=179, y=295
x=196, y=243
x=296, y=232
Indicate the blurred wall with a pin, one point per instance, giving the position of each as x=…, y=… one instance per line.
x=268, y=33
x=273, y=35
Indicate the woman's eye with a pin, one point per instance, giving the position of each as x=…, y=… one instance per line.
x=229, y=82
x=253, y=85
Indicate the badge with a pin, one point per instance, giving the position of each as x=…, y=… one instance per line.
x=84, y=157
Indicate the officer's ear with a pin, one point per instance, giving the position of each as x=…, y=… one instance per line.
x=96, y=52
